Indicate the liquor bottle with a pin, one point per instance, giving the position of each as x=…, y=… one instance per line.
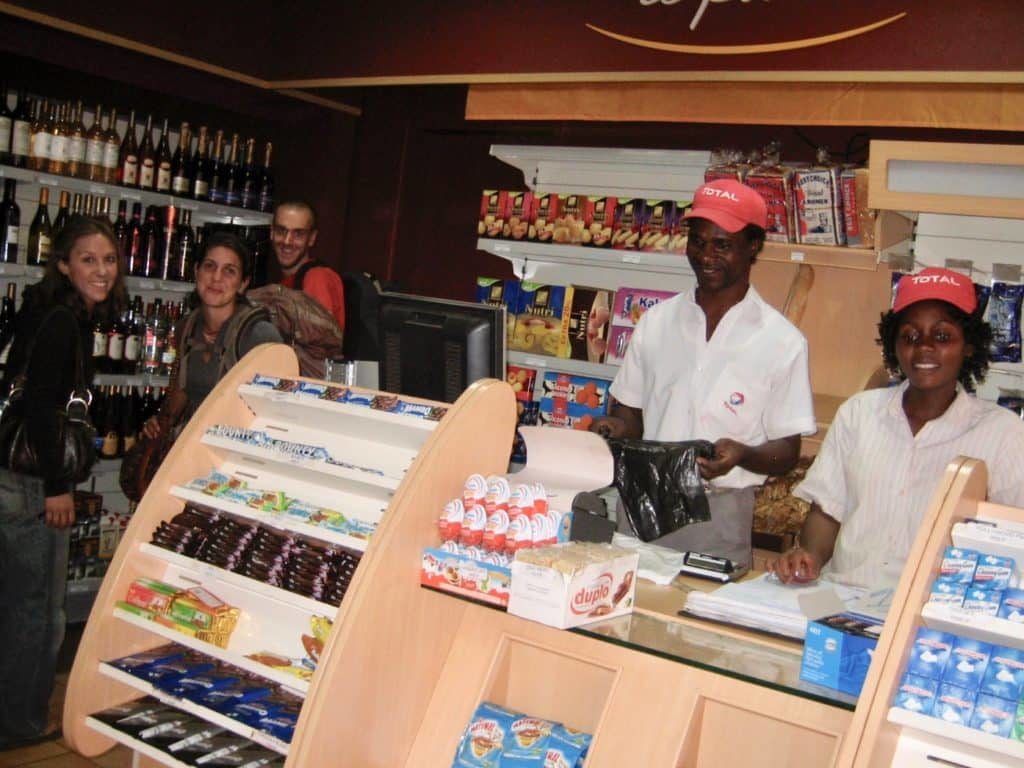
x=163, y=162
x=265, y=196
x=217, y=168
x=88, y=210
x=7, y=316
x=170, y=352
x=42, y=134
x=111, y=149
x=76, y=204
x=115, y=344
x=148, y=405
x=100, y=360
x=248, y=187
x=133, y=253
x=63, y=212
x=133, y=338
x=181, y=176
x=77, y=144
x=98, y=414
x=201, y=168
x=58, y=159
x=6, y=123
x=95, y=139
x=10, y=221
x=111, y=448
x=147, y=157
x=21, y=131
x=149, y=246
x=129, y=422
x=153, y=341
x=128, y=156
x=184, y=248
x=168, y=245
x=121, y=233
x=102, y=212
x=40, y=233
x=233, y=180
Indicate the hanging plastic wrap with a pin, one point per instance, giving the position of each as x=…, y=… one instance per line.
x=660, y=484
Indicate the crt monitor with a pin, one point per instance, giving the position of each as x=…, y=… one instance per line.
x=435, y=348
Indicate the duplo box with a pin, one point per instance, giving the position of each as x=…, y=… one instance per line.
x=597, y=591
x=838, y=650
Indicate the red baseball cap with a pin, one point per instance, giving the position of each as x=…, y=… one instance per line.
x=936, y=283
x=729, y=204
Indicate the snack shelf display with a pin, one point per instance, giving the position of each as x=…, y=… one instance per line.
x=575, y=367
x=891, y=736
x=137, y=745
x=210, y=715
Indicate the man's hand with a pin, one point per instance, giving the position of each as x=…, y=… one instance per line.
x=60, y=511
x=796, y=566
x=609, y=426
x=728, y=453
x=624, y=422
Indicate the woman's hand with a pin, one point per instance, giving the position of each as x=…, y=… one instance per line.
x=796, y=566
x=59, y=511
x=152, y=428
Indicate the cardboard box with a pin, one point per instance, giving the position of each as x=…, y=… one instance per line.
x=569, y=224
x=494, y=212
x=540, y=314
x=546, y=210
x=522, y=213
x=631, y=303
x=838, y=651
x=571, y=389
x=599, y=219
x=465, y=576
x=522, y=380
x=589, y=314
x=598, y=591
x=498, y=292
x=629, y=219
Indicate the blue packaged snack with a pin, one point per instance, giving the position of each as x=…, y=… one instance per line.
x=413, y=409
x=482, y=741
x=573, y=736
x=224, y=699
x=138, y=663
x=981, y=293
x=359, y=399
x=251, y=712
x=260, y=380
x=311, y=388
x=993, y=715
x=930, y=652
x=563, y=754
x=916, y=694
x=954, y=704
x=335, y=394
x=193, y=687
x=526, y=742
x=280, y=726
x=967, y=662
x=169, y=672
x=1004, y=317
x=1004, y=675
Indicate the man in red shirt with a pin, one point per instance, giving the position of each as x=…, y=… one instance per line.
x=293, y=234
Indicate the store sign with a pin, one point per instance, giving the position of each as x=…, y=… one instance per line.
x=702, y=7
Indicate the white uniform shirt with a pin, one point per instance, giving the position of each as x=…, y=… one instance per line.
x=749, y=382
x=876, y=478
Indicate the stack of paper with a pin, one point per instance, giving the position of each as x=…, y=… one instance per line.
x=766, y=604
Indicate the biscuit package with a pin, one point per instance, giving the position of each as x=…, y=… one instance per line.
x=494, y=213
x=858, y=219
x=521, y=215
x=627, y=309
x=498, y=292
x=546, y=211
x=660, y=228
x=588, y=322
x=774, y=182
x=539, y=318
x=569, y=225
x=819, y=204
x=599, y=220
x=572, y=401
x=499, y=737
x=629, y=219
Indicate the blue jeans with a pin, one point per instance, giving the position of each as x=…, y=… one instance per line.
x=33, y=575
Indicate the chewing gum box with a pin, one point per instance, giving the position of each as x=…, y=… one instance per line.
x=1004, y=675
x=958, y=565
x=930, y=652
x=838, y=650
x=597, y=591
x=968, y=660
x=954, y=704
x=916, y=694
x=993, y=715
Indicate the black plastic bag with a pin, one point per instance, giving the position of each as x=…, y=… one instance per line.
x=660, y=485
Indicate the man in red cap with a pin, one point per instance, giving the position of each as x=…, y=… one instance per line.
x=886, y=450
x=719, y=364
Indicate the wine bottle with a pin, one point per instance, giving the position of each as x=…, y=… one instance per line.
x=233, y=180
x=40, y=233
x=10, y=222
x=265, y=196
x=111, y=149
x=201, y=168
x=181, y=178
x=42, y=134
x=147, y=157
x=100, y=360
x=185, y=245
x=111, y=448
x=102, y=212
x=115, y=345
x=129, y=424
x=133, y=338
x=163, y=162
x=217, y=180
x=149, y=246
x=133, y=255
x=170, y=350
x=76, y=204
x=121, y=234
x=88, y=209
x=7, y=317
x=21, y=131
x=77, y=144
x=248, y=188
x=63, y=212
x=169, y=244
x=128, y=156
x=6, y=123
x=58, y=159
x=153, y=341
x=95, y=140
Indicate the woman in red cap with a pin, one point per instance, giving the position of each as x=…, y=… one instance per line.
x=870, y=485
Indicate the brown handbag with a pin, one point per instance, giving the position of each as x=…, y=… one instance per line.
x=142, y=460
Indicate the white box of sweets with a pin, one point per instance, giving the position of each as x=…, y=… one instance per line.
x=572, y=584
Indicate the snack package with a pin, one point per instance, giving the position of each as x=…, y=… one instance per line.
x=1004, y=317
x=993, y=715
x=539, y=318
x=930, y=652
x=858, y=219
x=629, y=218
x=631, y=303
x=599, y=219
x=726, y=164
x=585, y=391
x=916, y=694
x=954, y=704
x=521, y=215
x=522, y=380
x=484, y=737
x=967, y=662
x=1004, y=676
x=659, y=224
x=494, y=213
x=818, y=204
x=589, y=315
x=774, y=182
x=569, y=224
x=546, y=211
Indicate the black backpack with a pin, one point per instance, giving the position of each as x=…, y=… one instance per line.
x=362, y=310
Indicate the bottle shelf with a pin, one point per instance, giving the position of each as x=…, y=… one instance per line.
x=239, y=660
x=399, y=430
x=153, y=285
x=202, y=211
x=279, y=522
x=139, y=746
x=989, y=629
x=211, y=716
x=130, y=380
x=211, y=576
x=959, y=736
x=21, y=270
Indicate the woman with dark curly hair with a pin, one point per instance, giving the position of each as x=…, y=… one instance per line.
x=82, y=284
x=870, y=485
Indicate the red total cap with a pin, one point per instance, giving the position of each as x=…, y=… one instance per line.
x=936, y=283
x=729, y=204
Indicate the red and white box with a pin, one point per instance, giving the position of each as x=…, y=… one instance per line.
x=572, y=584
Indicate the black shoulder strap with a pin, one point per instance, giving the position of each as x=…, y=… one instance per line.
x=300, y=273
